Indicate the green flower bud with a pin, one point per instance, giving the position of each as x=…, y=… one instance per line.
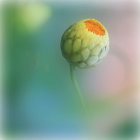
x=85, y=43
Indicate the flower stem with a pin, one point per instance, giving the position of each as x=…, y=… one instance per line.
x=75, y=83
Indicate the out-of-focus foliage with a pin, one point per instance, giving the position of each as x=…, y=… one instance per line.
x=27, y=17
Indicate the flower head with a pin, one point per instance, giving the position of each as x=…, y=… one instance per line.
x=85, y=43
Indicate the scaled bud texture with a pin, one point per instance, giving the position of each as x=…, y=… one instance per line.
x=85, y=43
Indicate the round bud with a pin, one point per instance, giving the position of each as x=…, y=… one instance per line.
x=85, y=43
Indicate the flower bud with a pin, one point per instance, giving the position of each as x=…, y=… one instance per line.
x=85, y=43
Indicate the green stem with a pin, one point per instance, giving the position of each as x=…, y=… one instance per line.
x=77, y=87
x=82, y=100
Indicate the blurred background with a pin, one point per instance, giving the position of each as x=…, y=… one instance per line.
x=39, y=98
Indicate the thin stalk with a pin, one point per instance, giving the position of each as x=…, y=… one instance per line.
x=75, y=83
x=82, y=100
